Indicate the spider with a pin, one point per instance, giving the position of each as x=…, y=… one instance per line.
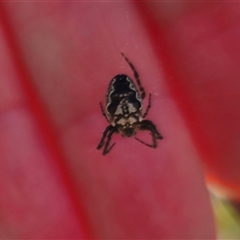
x=123, y=110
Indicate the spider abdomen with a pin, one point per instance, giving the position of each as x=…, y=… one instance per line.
x=123, y=102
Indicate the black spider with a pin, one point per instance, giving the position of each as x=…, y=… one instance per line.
x=123, y=110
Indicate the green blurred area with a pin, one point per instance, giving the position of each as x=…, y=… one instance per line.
x=227, y=216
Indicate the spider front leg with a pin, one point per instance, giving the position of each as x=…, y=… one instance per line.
x=106, y=134
x=148, y=125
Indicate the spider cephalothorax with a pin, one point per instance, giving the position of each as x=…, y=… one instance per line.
x=123, y=110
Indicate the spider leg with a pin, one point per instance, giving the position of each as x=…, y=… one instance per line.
x=103, y=113
x=149, y=105
x=107, y=149
x=136, y=75
x=106, y=134
x=149, y=126
x=101, y=143
x=153, y=145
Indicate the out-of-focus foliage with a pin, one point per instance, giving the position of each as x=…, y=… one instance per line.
x=227, y=219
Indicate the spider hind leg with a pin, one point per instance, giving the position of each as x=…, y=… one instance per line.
x=136, y=75
x=103, y=112
x=149, y=105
